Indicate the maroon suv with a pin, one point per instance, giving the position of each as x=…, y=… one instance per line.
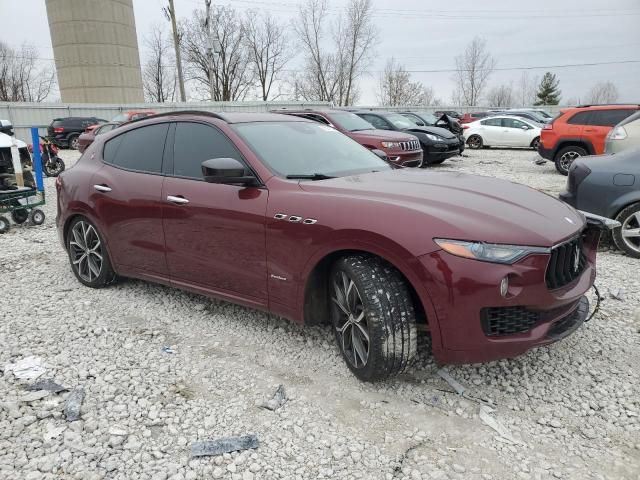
x=286, y=215
x=401, y=148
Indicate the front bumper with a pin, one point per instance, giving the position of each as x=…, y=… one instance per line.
x=405, y=159
x=441, y=150
x=462, y=290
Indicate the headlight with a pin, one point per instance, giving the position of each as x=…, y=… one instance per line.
x=487, y=252
x=618, y=133
x=391, y=144
x=434, y=138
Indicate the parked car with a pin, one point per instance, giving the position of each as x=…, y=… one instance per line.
x=528, y=114
x=89, y=135
x=609, y=185
x=543, y=113
x=580, y=131
x=286, y=215
x=625, y=135
x=450, y=113
x=502, y=131
x=64, y=132
x=401, y=149
x=426, y=119
x=132, y=115
x=472, y=117
x=437, y=143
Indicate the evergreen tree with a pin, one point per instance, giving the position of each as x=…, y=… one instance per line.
x=548, y=93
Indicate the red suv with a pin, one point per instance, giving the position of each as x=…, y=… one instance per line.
x=289, y=216
x=580, y=131
x=473, y=116
x=401, y=149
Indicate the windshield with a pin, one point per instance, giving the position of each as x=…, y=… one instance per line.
x=350, y=121
x=399, y=121
x=304, y=148
x=427, y=118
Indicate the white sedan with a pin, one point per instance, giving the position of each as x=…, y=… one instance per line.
x=502, y=131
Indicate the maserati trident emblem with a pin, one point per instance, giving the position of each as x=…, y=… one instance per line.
x=576, y=259
x=569, y=220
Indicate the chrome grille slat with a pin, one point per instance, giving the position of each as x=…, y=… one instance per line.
x=410, y=145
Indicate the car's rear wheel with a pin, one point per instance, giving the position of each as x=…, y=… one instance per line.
x=373, y=316
x=87, y=254
x=565, y=157
x=475, y=142
x=73, y=142
x=627, y=237
x=535, y=143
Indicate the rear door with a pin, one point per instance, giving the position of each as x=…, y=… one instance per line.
x=126, y=196
x=491, y=131
x=600, y=123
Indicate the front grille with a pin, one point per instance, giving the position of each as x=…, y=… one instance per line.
x=497, y=321
x=410, y=145
x=566, y=263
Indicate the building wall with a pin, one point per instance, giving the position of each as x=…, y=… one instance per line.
x=96, y=50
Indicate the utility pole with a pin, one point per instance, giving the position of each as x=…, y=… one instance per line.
x=210, y=48
x=170, y=12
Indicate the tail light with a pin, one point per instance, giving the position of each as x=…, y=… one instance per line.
x=58, y=129
x=547, y=126
x=464, y=127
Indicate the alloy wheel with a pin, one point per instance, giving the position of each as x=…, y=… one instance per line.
x=350, y=322
x=85, y=250
x=567, y=159
x=631, y=232
x=475, y=142
x=74, y=143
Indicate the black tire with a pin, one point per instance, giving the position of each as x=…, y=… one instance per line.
x=5, y=225
x=388, y=317
x=20, y=216
x=630, y=220
x=475, y=142
x=53, y=168
x=73, y=141
x=36, y=217
x=84, y=273
x=565, y=157
x=535, y=143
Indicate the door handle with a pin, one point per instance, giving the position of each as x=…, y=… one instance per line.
x=177, y=199
x=102, y=188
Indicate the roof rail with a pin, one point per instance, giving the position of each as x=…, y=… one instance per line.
x=182, y=112
x=605, y=105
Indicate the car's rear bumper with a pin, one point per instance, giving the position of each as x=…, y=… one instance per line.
x=546, y=153
x=569, y=198
x=466, y=293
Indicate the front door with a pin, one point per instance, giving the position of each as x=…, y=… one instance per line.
x=214, y=234
x=126, y=197
x=514, y=135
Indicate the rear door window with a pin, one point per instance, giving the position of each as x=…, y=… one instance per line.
x=140, y=149
x=196, y=142
x=580, y=118
x=492, y=122
x=609, y=118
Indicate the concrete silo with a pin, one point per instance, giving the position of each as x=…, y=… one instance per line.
x=96, y=50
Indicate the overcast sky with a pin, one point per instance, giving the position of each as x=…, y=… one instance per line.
x=428, y=34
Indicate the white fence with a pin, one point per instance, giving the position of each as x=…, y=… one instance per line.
x=27, y=115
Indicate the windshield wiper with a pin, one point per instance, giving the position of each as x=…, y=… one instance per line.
x=312, y=176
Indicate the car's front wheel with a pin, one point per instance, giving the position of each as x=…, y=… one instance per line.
x=627, y=237
x=475, y=142
x=87, y=254
x=565, y=157
x=372, y=316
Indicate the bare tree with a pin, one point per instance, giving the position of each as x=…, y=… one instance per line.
x=500, y=96
x=527, y=89
x=473, y=69
x=396, y=89
x=268, y=48
x=232, y=76
x=603, y=92
x=158, y=74
x=334, y=63
x=21, y=78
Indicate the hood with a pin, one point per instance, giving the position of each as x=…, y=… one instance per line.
x=7, y=142
x=460, y=206
x=384, y=135
x=443, y=132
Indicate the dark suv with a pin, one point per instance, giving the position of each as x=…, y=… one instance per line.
x=64, y=132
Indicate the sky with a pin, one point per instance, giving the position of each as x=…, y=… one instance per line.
x=426, y=35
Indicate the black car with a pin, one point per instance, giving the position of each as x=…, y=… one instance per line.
x=426, y=119
x=609, y=186
x=437, y=143
x=64, y=132
x=449, y=113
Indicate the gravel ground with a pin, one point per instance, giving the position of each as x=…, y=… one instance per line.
x=566, y=411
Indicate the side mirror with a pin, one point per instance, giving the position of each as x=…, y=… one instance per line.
x=524, y=127
x=227, y=171
x=420, y=124
x=381, y=154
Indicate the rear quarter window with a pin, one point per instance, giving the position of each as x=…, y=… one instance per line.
x=580, y=118
x=140, y=149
